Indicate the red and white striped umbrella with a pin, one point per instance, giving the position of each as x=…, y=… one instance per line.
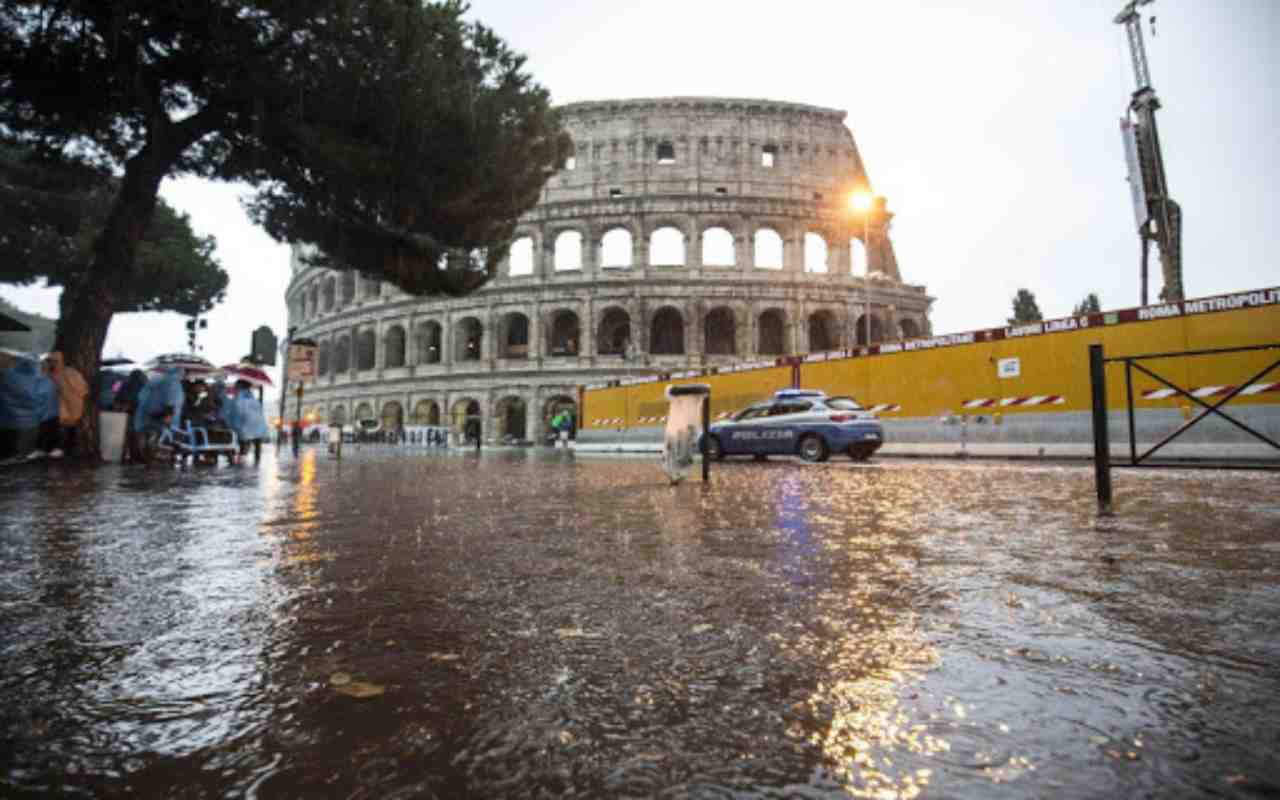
x=249, y=373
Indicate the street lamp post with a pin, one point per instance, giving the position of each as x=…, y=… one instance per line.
x=862, y=202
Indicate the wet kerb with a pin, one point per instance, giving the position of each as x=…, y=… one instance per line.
x=525, y=624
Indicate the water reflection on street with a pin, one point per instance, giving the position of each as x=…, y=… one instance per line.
x=528, y=624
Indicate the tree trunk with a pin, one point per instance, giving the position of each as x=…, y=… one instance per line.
x=87, y=305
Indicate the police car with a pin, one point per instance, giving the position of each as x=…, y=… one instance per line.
x=801, y=422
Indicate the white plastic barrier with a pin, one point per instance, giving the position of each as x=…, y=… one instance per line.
x=112, y=427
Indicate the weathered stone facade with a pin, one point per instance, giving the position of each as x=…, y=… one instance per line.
x=684, y=232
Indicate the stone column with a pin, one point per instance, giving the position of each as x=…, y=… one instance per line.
x=543, y=259
x=692, y=244
x=533, y=418
x=379, y=347
x=744, y=246
x=411, y=342
x=640, y=249
x=537, y=347
x=838, y=257
x=586, y=333
x=446, y=342
x=353, y=363
x=793, y=249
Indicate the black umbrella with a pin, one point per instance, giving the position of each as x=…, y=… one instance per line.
x=118, y=361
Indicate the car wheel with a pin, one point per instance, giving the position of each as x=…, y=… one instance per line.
x=812, y=448
x=859, y=453
x=714, y=451
x=760, y=457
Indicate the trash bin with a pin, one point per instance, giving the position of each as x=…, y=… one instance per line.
x=112, y=427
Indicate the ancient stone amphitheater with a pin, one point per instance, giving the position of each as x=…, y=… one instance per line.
x=684, y=233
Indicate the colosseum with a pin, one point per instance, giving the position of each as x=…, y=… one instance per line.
x=683, y=233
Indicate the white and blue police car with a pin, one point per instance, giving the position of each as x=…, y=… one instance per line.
x=802, y=422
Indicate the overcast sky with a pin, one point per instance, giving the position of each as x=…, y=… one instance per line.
x=992, y=133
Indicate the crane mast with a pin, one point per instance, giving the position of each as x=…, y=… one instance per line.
x=1158, y=217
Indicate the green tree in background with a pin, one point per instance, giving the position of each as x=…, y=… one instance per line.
x=50, y=212
x=1089, y=305
x=1025, y=308
x=403, y=139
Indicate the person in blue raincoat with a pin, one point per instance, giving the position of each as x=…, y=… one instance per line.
x=21, y=406
x=159, y=404
x=244, y=414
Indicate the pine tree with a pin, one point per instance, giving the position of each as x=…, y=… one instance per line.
x=1089, y=305
x=1025, y=308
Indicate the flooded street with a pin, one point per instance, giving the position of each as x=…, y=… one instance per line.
x=531, y=624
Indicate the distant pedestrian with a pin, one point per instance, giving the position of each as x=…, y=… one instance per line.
x=73, y=391
x=244, y=414
x=21, y=406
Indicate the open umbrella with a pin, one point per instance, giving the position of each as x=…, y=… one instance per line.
x=118, y=361
x=192, y=365
x=249, y=373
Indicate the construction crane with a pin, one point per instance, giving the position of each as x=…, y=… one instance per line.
x=1158, y=217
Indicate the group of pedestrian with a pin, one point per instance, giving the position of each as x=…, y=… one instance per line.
x=41, y=405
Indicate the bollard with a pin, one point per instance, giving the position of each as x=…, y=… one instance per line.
x=1101, y=436
x=706, y=433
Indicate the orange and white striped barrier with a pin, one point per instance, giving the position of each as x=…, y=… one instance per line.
x=885, y=408
x=1021, y=402
x=1213, y=391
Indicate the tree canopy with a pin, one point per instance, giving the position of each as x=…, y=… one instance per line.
x=1089, y=305
x=50, y=212
x=1025, y=308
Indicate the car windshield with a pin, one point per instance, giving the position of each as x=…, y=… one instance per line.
x=843, y=404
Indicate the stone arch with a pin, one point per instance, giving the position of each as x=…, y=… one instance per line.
x=338, y=415
x=366, y=350
x=348, y=287
x=719, y=332
x=616, y=248
x=860, y=331
x=568, y=252
x=391, y=416
x=520, y=259
x=510, y=414
x=564, y=334
x=768, y=249
x=552, y=406
x=426, y=412
x=815, y=253
x=364, y=411
x=393, y=345
x=342, y=355
x=910, y=328
x=857, y=257
x=322, y=360
x=666, y=336
x=615, y=332
x=468, y=340
x=717, y=247
x=329, y=292
x=465, y=413
x=772, y=332
x=823, y=331
x=313, y=296
x=513, y=335
x=429, y=333
x=666, y=247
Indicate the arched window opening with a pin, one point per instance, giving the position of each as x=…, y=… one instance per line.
x=364, y=411
x=666, y=337
x=330, y=289
x=366, y=351
x=429, y=343
x=877, y=332
x=910, y=329
x=392, y=416
x=773, y=329
x=425, y=412
x=322, y=365
x=815, y=253
x=521, y=257
x=615, y=333
x=466, y=418
x=615, y=249
x=338, y=415
x=717, y=248
x=342, y=356
x=563, y=407
x=369, y=287
x=564, y=334
x=720, y=333
x=769, y=156
x=393, y=343
x=666, y=153
x=510, y=415
x=666, y=247
x=568, y=251
x=822, y=332
x=348, y=287
x=768, y=249
x=515, y=336
x=571, y=160
x=857, y=257
x=468, y=338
